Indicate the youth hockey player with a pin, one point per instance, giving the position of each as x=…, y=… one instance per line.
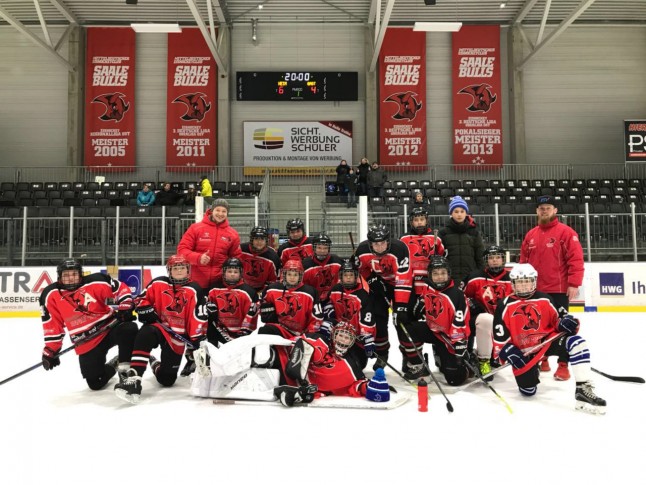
x=385, y=264
x=298, y=246
x=484, y=289
x=86, y=306
x=261, y=262
x=422, y=245
x=171, y=313
x=442, y=314
x=322, y=269
x=528, y=317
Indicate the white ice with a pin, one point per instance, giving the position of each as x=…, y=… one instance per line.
x=54, y=430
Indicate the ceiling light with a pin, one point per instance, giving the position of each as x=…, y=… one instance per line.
x=503, y=5
x=261, y=6
x=437, y=26
x=156, y=28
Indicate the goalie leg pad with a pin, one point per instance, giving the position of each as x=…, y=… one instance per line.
x=256, y=384
x=262, y=356
x=299, y=360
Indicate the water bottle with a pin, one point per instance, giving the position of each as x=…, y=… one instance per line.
x=422, y=396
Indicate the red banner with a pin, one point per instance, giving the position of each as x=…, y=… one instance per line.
x=191, y=102
x=402, y=94
x=110, y=98
x=477, y=102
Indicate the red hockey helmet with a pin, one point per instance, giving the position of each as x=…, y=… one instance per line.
x=178, y=261
x=292, y=265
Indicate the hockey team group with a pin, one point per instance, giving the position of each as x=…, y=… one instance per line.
x=314, y=319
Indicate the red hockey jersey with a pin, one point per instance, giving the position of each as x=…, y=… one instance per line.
x=355, y=307
x=259, y=270
x=295, y=310
x=486, y=291
x=237, y=307
x=322, y=275
x=421, y=249
x=393, y=267
x=300, y=250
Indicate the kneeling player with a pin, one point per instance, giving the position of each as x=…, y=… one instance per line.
x=528, y=317
x=169, y=309
x=441, y=315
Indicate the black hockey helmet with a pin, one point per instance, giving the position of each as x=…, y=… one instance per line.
x=376, y=234
x=321, y=240
x=69, y=264
x=494, y=251
x=417, y=212
x=439, y=262
x=178, y=260
x=259, y=231
x=294, y=224
x=234, y=263
x=349, y=266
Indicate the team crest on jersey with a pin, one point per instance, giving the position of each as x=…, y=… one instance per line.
x=196, y=106
x=530, y=315
x=325, y=278
x=348, y=309
x=421, y=247
x=115, y=106
x=482, y=97
x=407, y=104
x=289, y=306
x=382, y=266
x=492, y=294
x=254, y=268
x=228, y=303
x=434, y=306
x=178, y=302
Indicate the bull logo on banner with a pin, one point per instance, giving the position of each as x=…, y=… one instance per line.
x=407, y=103
x=196, y=106
x=482, y=97
x=115, y=106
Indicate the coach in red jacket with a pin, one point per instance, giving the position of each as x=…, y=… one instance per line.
x=208, y=244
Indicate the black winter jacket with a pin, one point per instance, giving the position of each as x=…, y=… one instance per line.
x=464, y=247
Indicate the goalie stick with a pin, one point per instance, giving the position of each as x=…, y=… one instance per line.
x=638, y=380
x=342, y=402
x=78, y=342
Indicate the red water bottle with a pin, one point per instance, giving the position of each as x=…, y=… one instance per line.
x=422, y=396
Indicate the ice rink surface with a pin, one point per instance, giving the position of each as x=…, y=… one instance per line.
x=54, y=430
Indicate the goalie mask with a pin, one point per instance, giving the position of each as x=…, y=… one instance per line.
x=523, y=280
x=343, y=337
x=418, y=221
x=69, y=281
x=179, y=270
x=292, y=273
x=439, y=272
x=494, y=259
x=232, y=271
x=321, y=245
x=379, y=240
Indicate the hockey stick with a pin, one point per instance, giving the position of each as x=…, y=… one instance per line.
x=638, y=380
x=449, y=406
x=477, y=373
x=386, y=363
x=179, y=337
x=78, y=342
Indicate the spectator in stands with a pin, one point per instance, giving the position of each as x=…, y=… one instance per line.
x=376, y=179
x=205, y=189
x=189, y=197
x=209, y=243
x=167, y=196
x=362, y=171
x=553, y=248
x=419, y=201
x=145, y=197
x=462, y=241
x=341, y=171
x=351, y=182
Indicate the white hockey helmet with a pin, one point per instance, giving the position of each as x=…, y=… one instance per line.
x=523, y=279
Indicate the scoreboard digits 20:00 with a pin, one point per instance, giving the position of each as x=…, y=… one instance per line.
x=296, y=86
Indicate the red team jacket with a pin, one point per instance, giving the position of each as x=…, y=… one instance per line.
x=296, y=310
x=421, y=249
x=237, y=307
x=178, y=307
x=220, y=240
x=446, y=312
x=555, y=251
x=259, y=270
x=485, y=290
x=393, y=267
x=355, y=307
x=299, y=250
x=525, y=323
x=82, y=311
x=322, y=275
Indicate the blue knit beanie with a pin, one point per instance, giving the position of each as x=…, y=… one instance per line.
x=377, y=390
x=456, y=202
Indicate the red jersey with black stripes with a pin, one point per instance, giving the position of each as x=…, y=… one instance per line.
x=355, y=307
x=259, y=269
x=300, y=250
x=295, y=310
x=393, y=267
x=322, y=275
x=421, y=248
x=485, y=290
x=237, y=306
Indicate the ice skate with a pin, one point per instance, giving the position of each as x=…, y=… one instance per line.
x=587, y=400
x=130, y=389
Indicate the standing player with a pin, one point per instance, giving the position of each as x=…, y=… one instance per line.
x=441, y=313
x=260, y=261
x=528, y=317
x=236, y=305
x=85, y=306
x=484, y=288
x=171, y=313
x=322, y=269
x=422, y=245
x=351, y=303
x=385, y=265
x=298, y=245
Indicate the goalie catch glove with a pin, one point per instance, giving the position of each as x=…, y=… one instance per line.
x=291, y=395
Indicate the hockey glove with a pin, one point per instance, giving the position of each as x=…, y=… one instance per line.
x=401, y=314
x=50, y=359
x=513, y=355
x=147, y=315
x=291, y=395
x=328, y=312
x=211, y=312
x=377, y=285
x=325, y=330
x=368, y=345
x=460, y=349
x=189, y=368
x=569, y=324
x=268, y=313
